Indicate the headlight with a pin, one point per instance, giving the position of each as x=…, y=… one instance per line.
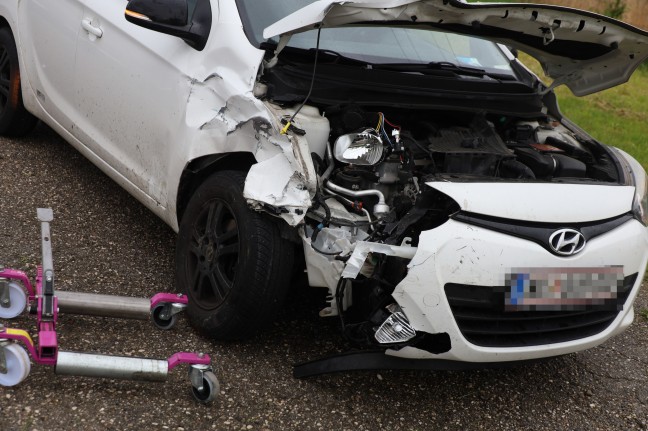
x=638, y=179
x=640, y=204
x=364, y=148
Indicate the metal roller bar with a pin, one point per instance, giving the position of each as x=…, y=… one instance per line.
x=92, y=304
x=111, y=367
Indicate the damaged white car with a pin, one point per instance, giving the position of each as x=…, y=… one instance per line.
x=427, y=176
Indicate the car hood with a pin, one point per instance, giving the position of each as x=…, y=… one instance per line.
x=583, y=50
x=540, y=202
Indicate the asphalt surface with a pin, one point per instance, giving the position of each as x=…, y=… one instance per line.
x=106, y=242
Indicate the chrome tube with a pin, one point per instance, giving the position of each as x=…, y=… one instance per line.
x=92, y=304
x=379, y=209
x=111, y=367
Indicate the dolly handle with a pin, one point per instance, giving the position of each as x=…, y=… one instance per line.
x=45, y=216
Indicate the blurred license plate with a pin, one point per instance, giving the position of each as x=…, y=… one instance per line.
x=559, y=289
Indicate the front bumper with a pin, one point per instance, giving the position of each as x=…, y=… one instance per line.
x=459, y=253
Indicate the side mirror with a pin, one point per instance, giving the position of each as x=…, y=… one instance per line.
x=172, y=17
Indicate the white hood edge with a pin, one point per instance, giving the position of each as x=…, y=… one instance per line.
x=546, y=203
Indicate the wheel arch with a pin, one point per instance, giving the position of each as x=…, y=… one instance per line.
x=17, y=120
x=4, y=23
x=199, y=169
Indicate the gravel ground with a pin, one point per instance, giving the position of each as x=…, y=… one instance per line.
x=106, y=242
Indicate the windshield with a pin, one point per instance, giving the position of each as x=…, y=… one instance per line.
x=377, y=44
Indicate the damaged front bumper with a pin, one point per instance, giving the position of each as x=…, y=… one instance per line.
x=454, y=292
x=453, y=263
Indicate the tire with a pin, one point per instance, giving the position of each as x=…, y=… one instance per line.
x=211, y=388
x=235, y=269
x=17, y=299
x=159, y=322
x=18, y=365
x=14, y=119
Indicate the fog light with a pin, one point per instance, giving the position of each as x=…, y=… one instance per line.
x=395, y=329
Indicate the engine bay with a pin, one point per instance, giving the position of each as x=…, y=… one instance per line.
x=382, y=160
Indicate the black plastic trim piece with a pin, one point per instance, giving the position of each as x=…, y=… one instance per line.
x=195, y=32
x=480, y=314
x=378, y=360
x=289, y=81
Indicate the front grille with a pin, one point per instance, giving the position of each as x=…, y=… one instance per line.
x=480, y=315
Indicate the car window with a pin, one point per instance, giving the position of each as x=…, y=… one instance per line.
x=259, y=14
x=377, y=44
x=400, y=45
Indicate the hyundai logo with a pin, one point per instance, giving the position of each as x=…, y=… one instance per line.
x=566, y=242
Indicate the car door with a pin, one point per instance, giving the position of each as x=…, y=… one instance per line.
x=135, y=88
x=48, y=32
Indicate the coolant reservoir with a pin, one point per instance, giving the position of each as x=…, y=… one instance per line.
x=317, y=127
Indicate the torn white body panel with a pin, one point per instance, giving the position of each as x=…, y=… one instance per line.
x=275, y=182
x=284, y=176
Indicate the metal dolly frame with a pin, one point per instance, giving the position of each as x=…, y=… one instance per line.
x=16, y=292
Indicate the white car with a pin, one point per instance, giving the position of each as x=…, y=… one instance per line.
x=426, y=176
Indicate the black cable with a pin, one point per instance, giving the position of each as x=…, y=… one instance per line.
x=327, y=209
x=427, y=151
x=327, y=217
x=310, y=90
x=339, y=293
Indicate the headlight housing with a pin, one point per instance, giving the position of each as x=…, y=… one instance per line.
x=640, y=204
x=636, y=177
x=364, y=148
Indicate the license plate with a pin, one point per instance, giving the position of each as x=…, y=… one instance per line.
x=563, y=289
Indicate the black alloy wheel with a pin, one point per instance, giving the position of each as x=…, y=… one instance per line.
x=215, y=250
x=232, y=262
x=14, y=118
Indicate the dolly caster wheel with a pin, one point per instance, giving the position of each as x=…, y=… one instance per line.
x=14, y=365
x=13, y=302
x=162, y=317
x=205, y=385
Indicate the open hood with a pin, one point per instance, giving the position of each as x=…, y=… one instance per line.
x=583, y=50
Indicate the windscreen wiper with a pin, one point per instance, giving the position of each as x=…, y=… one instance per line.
x=442, y=68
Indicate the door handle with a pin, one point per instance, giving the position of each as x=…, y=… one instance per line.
x=87, y=26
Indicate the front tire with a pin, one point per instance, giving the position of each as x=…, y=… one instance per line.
x=14, y=118
x=231, y=261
